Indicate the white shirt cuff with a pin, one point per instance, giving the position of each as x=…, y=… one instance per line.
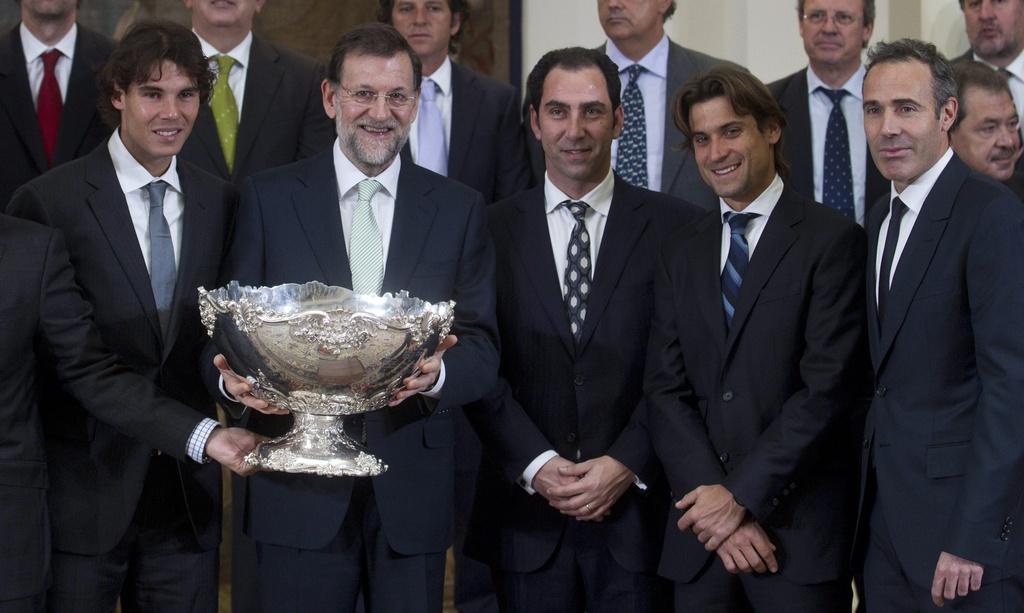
x=526, y=480
x=196, y=446
x=435, y=392
x=224, y=392
x=639, y=484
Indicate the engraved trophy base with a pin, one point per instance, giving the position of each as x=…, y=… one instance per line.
x=316, y=445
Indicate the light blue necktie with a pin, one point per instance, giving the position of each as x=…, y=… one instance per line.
x=162, y=269
x=366, y=248
x=432, y=153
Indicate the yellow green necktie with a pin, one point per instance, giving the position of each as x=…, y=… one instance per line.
x=225, y=110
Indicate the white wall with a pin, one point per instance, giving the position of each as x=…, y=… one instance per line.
x=759, y=34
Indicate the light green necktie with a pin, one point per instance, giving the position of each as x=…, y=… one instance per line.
x=366, y=249
x=225, y=110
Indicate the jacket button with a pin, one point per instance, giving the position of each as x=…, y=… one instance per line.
x=1004, y=537
x=880, y=391
x=571, y=437
x=775, y=502
x=724, y=457
x=579, y=379
x=866, y=443
x=727, y=396
x=792, y=486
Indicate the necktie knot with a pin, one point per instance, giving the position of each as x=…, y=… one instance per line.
x=428, y=89
x=577, y=208
x=50, y=59
x=156, y=190
x=367, y=188
x=224, y=64
x=897, y=209
x=835, y=95
x=738, y=221
x=634, y=72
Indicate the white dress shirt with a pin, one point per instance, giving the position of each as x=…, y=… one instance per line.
x=560, y=225
x=133, y=179
x=443, y=99
x=1015, y=79
x=236, y=78
x=821, y=107
x=34, y=49
x=913, y=196
x=653, y=84
x=763, y=205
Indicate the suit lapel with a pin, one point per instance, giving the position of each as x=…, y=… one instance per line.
x=776, y=239
x=705, y=256
x=110, y=208
x=874, y=226
x=530, y=234
x=623, y=229
x=679, y=69
x=80, y=104
x=316, y=205
x=463, y=107
x=16, y=98
x=261, y=83
x=411, y=225
x=795, y=104
x=919, y=250
x=205, y=131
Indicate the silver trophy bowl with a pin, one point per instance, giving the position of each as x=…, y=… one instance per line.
x=322, y=353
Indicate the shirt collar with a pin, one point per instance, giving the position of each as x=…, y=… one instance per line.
x=854, y=86
x=131, y=174
x=349, y=176
x=32, y=47
x=763, y=205
x=914, y=194
x=599, y=198
x=1016, y=67
x=655, y=62
x=443, y=76
x=240, y=53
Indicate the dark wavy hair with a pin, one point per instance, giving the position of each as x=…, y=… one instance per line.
x=142, y=50
x=457, y=7
x=573, y=59
x=747, y=95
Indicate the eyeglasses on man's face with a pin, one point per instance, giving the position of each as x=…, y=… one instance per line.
x=367, y=97
x=840, y=18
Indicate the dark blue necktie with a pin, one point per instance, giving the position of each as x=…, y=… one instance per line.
x=631, y=156
x=736, y=263
x=892, y=236
x=837, y=183
x=577, y=269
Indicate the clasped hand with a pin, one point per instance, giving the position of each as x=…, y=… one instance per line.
x=586, y=491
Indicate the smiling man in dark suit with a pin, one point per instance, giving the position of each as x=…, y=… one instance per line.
x=571, y=502
x=943, y=459
x=48, y=115
x=265, y=109
x=143, y=230
x=825, y=144
x=359, y=216
x=757, y=354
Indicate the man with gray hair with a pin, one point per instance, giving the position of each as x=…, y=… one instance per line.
x=995, y=29
x=825, y=144
x=943, y=464
x=986, y=133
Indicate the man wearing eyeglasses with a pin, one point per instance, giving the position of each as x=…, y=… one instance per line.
x=825, y=144
x=359, y=216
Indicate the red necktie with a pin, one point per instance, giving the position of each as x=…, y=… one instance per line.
x=49, y=104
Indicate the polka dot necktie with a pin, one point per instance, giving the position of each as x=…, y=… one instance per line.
x=837, y=183
x=577, y=271
x=736, y=263
x=631, y=156
x=225, y=110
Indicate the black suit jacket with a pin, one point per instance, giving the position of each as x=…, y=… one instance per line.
x=21, y=156
x=946, y=425
x=44, y=317
x=96, y=472
x=767, y=409
x=679, y=174
x=486, y=151
x=289, y=230
x=282, y=120
x=581, y=402
x=792, y=95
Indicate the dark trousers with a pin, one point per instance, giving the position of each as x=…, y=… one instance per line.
x=888, y=589
x=716, y=590
x=582, y=575
x=358, y=559
x=474, y=588
x=32, y=604
x=157, y=567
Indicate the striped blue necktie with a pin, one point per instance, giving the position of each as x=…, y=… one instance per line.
x=736, y=263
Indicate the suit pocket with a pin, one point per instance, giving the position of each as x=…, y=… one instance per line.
x=947, y=459
x=23, y=473
x=778, y=293
x=945, y=284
